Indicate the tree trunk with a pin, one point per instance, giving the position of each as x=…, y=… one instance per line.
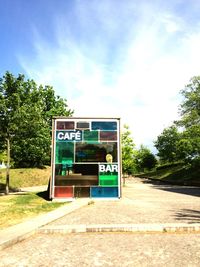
x=8, y=167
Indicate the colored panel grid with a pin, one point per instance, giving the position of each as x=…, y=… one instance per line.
x=104, y=191
x=108, y=180
x=90, y=135
x=80, y=191
x=65, y=125
x=104, y=125
x=108, y=135
x=64, y=153
x=64, y=191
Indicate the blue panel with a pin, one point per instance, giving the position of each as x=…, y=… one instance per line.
x=104, y=191
x=104, y=125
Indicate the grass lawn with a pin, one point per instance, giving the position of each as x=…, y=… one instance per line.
x=18, y=208
x=25, y=177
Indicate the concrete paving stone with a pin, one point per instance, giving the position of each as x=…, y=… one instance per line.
x=143, y=204
x=19, y=232
x=134, y=228
x=105, y=249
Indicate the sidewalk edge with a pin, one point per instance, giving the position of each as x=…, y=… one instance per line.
x=21, y=231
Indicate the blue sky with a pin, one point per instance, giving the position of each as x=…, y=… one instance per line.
x=113, y=58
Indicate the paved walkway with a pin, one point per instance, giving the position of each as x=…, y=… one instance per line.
x=144, y=205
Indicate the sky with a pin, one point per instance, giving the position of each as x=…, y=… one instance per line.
x=108, y=58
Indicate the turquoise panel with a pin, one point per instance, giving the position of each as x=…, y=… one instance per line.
x=104, y=125
x=104, y=191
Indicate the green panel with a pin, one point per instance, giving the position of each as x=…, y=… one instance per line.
x=90, y=135
x=65, y=153
x=108, y=179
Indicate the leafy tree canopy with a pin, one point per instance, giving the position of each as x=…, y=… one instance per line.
x=145, y=159
x=128, y=151
x=26, y=111
x=166, y=144
x=182, y=140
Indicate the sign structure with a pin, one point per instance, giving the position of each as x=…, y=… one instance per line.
x=86, y=158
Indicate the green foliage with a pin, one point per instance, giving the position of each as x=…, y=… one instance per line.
x=169, y=165
x=166, y=144
x=189, y=146
x=145, y=159
x=26, y=111
x=128, y=151
x=190, y=107
x=181, y=141
x=3, y=156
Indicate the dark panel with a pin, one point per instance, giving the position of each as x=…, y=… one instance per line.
x=80, y=191
x=76, y=179
x=61, y=169
x=86, y=169
x=104, y=125
x=86, y=152
x=82, y=125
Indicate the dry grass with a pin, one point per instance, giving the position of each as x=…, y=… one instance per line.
x=18, y=208
x=26, y=177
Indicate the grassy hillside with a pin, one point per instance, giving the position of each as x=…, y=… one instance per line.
x=176, y=175
x=25, y=177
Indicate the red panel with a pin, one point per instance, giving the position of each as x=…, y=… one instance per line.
x=63, y=125
x=108, y=136
x=63, y=191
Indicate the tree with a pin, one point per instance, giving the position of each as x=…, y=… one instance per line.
x=145, y=159
x=181, y=141
x=25, y=119
x=166, y=144
x=189, y=146
x=127, y=151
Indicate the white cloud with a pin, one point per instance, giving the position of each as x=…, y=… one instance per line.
x=123, y=64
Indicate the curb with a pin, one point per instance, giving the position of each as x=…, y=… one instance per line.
x=133, y=228
x=21, y=231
